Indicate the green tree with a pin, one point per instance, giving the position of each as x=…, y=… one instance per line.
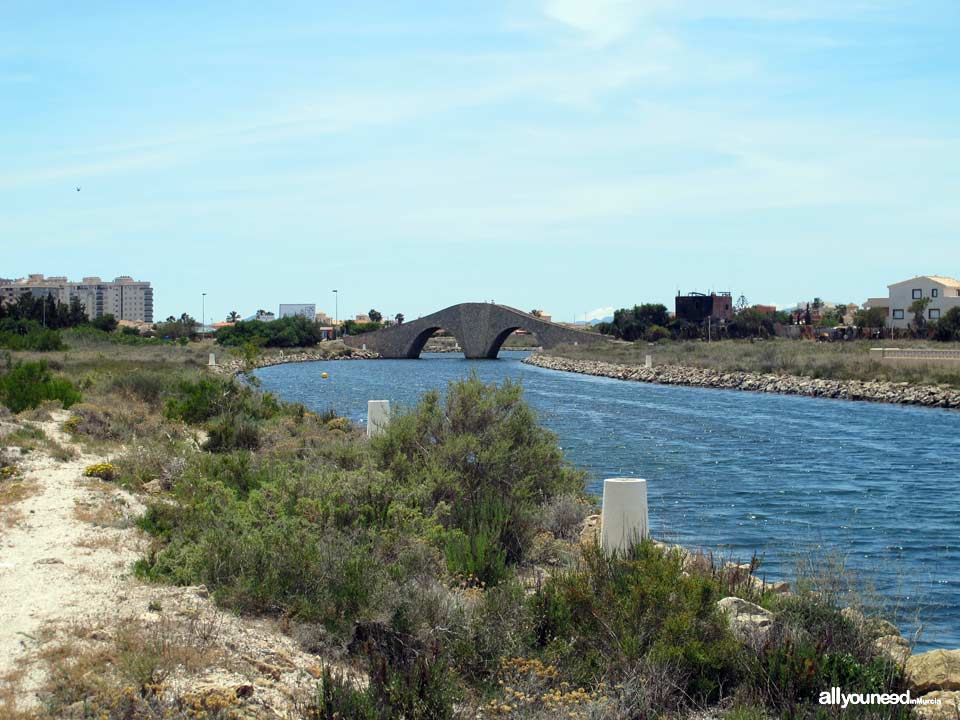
x=375, y=315
x=947, y=328
x=233, y=316
x=536, y=313
x=918, y=307
x=632, y=324
x=872, y=318
x=107, y=323
x=399, y=318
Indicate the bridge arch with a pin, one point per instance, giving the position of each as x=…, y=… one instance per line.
x=419, y=341
x=480, y=329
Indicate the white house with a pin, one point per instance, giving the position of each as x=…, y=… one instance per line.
x=944, y=293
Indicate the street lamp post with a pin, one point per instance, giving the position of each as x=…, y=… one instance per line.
x=203, y=311
x=336, y=313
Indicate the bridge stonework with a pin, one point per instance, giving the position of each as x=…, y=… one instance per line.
x=480, y=328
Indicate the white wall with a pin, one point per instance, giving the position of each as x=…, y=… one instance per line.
x=902, y=294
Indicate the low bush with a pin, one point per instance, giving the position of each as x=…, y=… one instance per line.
x=232, y=432
x=36, y=339
x=640, y=608
x=26, y=385
x=84, y=335
x=421, y=688
x=104, y=471
x=480, y=451
x=286, y=332
x=196, y=401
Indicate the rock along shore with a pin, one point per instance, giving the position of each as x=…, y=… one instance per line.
x=872, y=391
x=234, y=366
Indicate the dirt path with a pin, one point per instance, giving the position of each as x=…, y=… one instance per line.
x=46, y=572
x=66, y=573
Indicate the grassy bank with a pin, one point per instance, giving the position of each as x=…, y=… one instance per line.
x=442, y=561
x=833, y=361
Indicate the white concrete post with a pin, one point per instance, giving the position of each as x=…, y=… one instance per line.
x=364, y=346
x=648, y=361
x=213, y=360
x=623, y=519
x=378, y=415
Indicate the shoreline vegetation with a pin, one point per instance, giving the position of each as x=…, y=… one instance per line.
x=446, y=569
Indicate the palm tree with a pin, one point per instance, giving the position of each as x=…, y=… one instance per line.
x=399, y=318
x=233, y=316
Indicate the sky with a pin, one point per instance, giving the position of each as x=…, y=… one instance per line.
x=568, y=155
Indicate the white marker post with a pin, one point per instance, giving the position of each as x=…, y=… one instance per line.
x=648, y=361
x=623, y=520
x=378, y=415
x=213, y=360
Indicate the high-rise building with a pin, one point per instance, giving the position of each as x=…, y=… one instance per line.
x=124, y=297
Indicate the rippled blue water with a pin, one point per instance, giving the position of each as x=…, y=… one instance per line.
x=736, y=472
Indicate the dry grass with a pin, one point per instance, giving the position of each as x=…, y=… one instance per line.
x=104, y=510
x=839, y=361
x=130, y=669
x=12, y=493
x=87, y=355
x=30, y=438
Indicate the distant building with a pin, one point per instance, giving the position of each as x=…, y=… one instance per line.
x=263, y=316
x=766, y=309
x=943, y=292
x=123, y=297
x=361, y=318
x=324, y=319
x=696, y=307
x=881, y=304
x=307, y=310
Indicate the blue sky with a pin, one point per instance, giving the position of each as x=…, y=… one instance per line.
x=571, y=155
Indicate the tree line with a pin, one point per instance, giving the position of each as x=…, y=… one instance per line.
x=652, y=322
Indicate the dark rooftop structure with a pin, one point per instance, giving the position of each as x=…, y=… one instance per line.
x=696, y=307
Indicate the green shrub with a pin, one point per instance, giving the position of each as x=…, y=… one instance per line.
x=231, y=432
x=27, y=384
x=82, y=335
x=480, y=451
x=638, y=608
x=422, y=688
x=37, y=340
x=285, y=332
x=196, y=401
x=478, y=550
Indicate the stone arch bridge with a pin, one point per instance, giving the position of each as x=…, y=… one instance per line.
x=480, y=329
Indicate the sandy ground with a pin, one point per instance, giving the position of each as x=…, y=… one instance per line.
x=66, y=562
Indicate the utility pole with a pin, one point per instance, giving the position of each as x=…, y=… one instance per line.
x=203, y=310
x=336, y=313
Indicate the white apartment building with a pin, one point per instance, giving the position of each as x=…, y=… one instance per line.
x=123, y=297
x=944, y=293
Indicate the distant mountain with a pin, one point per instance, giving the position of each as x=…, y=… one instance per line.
x=595, y=321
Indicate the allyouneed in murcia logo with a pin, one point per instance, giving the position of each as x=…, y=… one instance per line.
x=834, y=696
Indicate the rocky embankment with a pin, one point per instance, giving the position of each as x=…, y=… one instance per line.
x=233, y=366
x=873, y=391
